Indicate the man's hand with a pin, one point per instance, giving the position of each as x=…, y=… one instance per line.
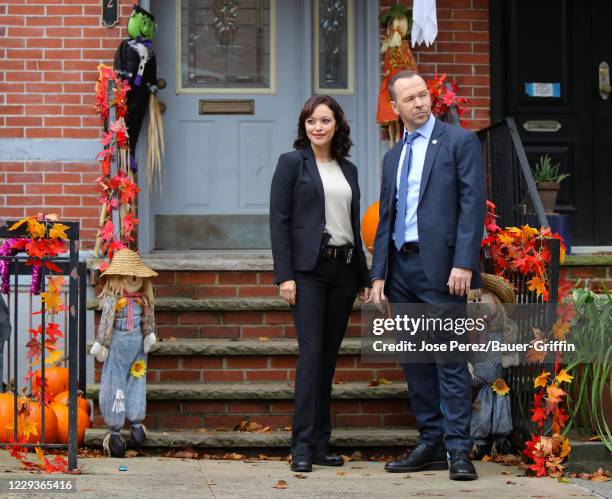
x=378, y=293
x=459, y=281
x=287, y=291
x=365, y=295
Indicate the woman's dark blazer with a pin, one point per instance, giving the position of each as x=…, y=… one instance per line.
x=297, y=215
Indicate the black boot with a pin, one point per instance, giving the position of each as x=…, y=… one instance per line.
x=461, y=468
x=114, y=445
x=138, y=434
x=327, y=459
x=301, y=463
x=422, y=458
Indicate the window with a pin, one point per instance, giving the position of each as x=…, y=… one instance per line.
x=333, y=46
x=226, y=46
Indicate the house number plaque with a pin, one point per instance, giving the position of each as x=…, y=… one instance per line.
x=110, y=13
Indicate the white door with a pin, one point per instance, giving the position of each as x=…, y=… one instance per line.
x=238, y=73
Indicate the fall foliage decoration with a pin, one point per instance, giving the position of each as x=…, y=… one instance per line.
x=547, y=453
x=46, y=238
x=118, y=191
x=139, y=369
x=521, y=249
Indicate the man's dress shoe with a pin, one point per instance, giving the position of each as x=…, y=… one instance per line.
x=422, y=458
x=301, y=463
x=327, y=459
x=461, y=468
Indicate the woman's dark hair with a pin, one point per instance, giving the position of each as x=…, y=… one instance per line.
x=341, y=142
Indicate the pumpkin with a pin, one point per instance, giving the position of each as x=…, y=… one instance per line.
x=57, y=380
x=50, y=424
x=83, y=422
x=6, y=416
x=369, y=224
x=62, y=398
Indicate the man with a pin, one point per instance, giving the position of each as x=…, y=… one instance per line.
x=427, y=249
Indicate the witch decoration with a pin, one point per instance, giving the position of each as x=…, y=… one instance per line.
x=491, y=421
x=135, y=63
x=125, y=335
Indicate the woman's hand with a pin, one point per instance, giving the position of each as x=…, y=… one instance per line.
x=287, y=291
x=365, y=295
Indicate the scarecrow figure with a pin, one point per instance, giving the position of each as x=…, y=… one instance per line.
x=491, y=416
x=125, y=336
x=135, y=63
x=398, y=57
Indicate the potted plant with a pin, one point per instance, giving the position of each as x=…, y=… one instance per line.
x=548, y=180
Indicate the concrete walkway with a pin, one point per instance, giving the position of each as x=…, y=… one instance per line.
x=153, y=477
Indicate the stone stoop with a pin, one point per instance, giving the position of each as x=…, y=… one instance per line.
x=227, y=354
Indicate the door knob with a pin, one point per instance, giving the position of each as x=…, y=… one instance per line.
x=604, y=80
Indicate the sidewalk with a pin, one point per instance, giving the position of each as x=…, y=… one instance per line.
x=153, y=477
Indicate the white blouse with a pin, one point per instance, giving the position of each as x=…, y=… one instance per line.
x=338, y=197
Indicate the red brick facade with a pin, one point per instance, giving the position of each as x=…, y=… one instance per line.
x=461, y=51
x=49, y=52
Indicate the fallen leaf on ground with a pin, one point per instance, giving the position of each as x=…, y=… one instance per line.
x=506, y=473
x=131, y=453
x=263, y=338
x=346, y=458
x=281, y=484
x=486, y=458
x=340, y=473
x=299, y=475
x=233, y=456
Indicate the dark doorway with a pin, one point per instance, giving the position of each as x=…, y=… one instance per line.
x=545, y=63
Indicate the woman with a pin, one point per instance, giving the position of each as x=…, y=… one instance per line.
x=319, y=264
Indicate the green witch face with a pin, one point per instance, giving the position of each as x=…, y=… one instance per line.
x=141, y=24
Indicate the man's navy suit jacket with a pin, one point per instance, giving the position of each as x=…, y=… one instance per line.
x=297, y=215
x=451, y=209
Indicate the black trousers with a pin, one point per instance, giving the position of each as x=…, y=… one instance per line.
x=324, y=299
x=440, y=393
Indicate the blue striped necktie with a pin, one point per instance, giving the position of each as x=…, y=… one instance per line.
x=399, y=231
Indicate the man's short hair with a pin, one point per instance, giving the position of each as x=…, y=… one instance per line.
x=404, y=73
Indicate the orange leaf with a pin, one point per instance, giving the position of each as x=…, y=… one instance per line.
x=555, y=394
x=541, y=380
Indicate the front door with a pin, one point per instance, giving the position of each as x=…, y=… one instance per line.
x=546, y=57
x=238, y=73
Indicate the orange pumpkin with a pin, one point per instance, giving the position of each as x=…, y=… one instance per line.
x=57, y=380
x=83, y=422
x=369, y=224
x=6, y=416
x=62, y=398
x=50, y=424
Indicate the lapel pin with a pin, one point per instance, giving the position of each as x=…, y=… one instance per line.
x=434, y=141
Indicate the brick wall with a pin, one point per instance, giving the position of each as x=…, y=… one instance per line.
x=49, y=51
x=66, y=189
x=461, y=50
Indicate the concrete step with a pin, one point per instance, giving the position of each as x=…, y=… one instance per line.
x=341, y=437
x=259, y=391
x=229, y=347
x=178, y=304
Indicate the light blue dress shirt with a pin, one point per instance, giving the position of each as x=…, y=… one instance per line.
x=419, y=148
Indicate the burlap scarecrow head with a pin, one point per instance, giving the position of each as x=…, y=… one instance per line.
x=127, y=273
x=497, y=295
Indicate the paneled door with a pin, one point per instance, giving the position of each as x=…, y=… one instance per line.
x=236, y=80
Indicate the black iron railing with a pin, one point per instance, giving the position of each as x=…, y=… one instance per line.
x=511, y=187
x=74, y=337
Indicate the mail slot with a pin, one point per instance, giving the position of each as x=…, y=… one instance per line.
x=542, y=126
x=233, y=106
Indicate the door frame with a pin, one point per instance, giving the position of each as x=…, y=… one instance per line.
x=367, y=71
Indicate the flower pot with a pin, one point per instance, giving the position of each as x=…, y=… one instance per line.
x=548, y=194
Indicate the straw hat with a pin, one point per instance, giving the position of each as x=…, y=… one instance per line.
x=128, y=262
x=498, y=286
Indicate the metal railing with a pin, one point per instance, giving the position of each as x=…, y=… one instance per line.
x=74, y=336
x=511, y=187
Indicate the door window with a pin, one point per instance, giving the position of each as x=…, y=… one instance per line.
x=226, y=46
